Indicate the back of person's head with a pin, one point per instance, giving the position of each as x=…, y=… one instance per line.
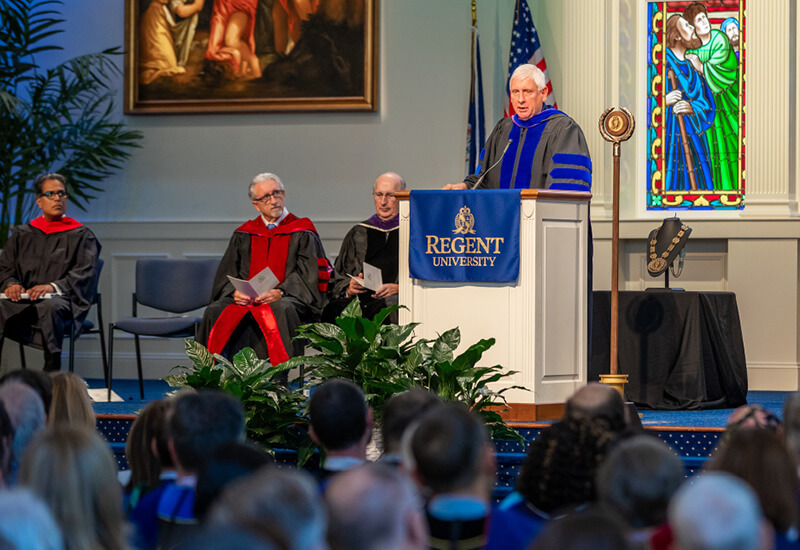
x=600, y=402
x=26, y=412
x=71, y=403
x=715, y=511
x=6, y=446
x=374, y=507
x=338, y=414
x=39, y=381
x=559, y=470
x=791, y=425
x=72, y=469
x=229, y=461
x=593, y=528
x=200, y=421
x=400, y=411
x=639, y=478
x=146, y=448
x=26, y=522
x=759, y=457
x=448, y=449
x=280, y=505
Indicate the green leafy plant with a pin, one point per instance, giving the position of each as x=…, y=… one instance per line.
x=53, y=120
x=383, y=359
x=275, y=416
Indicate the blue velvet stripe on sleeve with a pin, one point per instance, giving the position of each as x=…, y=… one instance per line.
x=571, y=171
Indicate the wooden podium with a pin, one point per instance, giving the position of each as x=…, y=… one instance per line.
x=539, y=323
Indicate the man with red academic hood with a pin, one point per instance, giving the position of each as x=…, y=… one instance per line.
x=291, y=248
x=48, y=272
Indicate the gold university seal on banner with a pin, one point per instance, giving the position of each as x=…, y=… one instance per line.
x=464, y=222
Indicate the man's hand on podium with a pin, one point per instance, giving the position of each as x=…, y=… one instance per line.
x=454, y=186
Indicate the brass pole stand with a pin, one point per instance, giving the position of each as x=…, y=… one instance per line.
x=615, y=126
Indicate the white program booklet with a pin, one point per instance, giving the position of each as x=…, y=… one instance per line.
x=373, y=278
x=24, y=296
x=261, y=282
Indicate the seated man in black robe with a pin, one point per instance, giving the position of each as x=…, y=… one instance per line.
x=48, y=272
x=291, y=248
x=376, y=242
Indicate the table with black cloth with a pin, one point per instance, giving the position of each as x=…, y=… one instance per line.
x=680, y=350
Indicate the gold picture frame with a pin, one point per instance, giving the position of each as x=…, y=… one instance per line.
x=250, y=56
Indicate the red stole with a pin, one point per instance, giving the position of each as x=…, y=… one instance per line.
x=268, y=248
x=64, y=224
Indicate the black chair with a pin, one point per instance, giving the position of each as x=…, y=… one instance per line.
x=174, y=286
x=87, y=327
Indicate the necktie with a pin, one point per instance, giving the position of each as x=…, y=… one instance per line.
x=271, y=226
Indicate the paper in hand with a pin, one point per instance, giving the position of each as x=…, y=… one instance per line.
x=261, y=282
x=373, y=278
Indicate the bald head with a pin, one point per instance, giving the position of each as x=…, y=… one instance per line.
x=390, y=178
x=600, y=402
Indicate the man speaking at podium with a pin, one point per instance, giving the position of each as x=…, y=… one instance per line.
x=537, y=148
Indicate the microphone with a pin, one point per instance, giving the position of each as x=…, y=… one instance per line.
x=480, y=179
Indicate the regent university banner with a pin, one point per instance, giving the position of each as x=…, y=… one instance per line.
x=465, y=236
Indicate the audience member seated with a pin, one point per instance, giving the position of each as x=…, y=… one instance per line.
x=215, y=538
x=198, y=423
x=147, y=453
x=400, y=411
x=26, y=522
x=638, y=480
x=600, y=402
x=556, y=477
x=6, y=447
x=376, y=242
x=375, y=507
x=228, y=463
x=51, y=255
x=791, y=426
x=71, y=403
x=279, y=505
x=452, y=459
x=39, y=381
x=26, y=412
x=291, y=248
x=753, y=416
x=718, y=511
x=72, y=469
x=595, y=528
x=758, y=457
x=341, y=425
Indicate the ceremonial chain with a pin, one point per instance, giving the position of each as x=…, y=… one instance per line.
x=657, y=264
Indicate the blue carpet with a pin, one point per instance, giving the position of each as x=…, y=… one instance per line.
x=156, y=389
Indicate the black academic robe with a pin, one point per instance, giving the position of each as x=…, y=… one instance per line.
x=364, y=243
x=69, y=259
x=302, y=301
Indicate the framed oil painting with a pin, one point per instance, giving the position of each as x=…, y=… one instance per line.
x=696, y=61
x=211, y=56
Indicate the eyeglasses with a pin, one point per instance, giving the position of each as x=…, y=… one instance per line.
x=278, y=194
x=54, y=195
x=381, y=196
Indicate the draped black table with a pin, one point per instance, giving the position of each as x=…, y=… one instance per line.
x=680, y=350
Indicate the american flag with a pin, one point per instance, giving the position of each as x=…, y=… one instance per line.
x=526, y=48
x=476, y=126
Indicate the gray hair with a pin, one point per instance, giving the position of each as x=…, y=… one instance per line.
x=282, y=503
x=395, y=176
x=266, y=176
x=369, y=507
x=27, y=523
x=715, y=511
x=26, y=412
x=529, y=72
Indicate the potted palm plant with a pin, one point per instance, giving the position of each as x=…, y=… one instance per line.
x=58, y=119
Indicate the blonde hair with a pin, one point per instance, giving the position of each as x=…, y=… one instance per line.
x=72, y=469
x=71, y=403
